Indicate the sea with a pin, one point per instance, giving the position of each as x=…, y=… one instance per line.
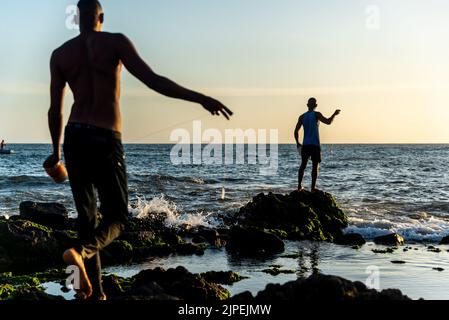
x=382, y=188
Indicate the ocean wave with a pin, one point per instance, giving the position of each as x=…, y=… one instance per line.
x=12, y=181
x=420, y=228
x=182, y=179
x=158, y=206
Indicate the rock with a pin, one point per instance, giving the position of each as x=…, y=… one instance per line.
x=32, y=294
x=393, y=239
x=149, y=289
x=388, y=250
x=182, y=284
x=350, y=239
x=5, y=261
x=445, y=240
x=211, y=236
x=29, y=245
x=139, y=238
x=438, y=269
x=190, y=249
x=298, y=216
x=199, y=239
x=398, y=262
x=320, y=287
x=119, y=251
x=115, y=286
x=53, y=215
x=291, y=256
x=253, y=242
x=275, y=271
x=226, y=278
x=434, y=249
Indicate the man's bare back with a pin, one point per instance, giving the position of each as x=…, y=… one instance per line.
x=91, y=65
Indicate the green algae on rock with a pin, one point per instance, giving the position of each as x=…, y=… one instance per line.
x=296, y=216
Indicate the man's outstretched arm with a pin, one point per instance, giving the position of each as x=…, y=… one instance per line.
x=140, y=69
x=56, y=112
x=325, y=120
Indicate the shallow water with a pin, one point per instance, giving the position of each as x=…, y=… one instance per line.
x=416, y=278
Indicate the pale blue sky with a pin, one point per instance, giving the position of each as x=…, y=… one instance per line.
x=263, y=58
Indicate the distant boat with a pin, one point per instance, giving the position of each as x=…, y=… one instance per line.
x=6, y=151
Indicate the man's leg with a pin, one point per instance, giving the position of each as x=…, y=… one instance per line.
x=86, y=205
x=315, y=171
x=301, y=172
x=112, y=186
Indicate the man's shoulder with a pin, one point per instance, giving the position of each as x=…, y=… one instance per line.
x=68, y=45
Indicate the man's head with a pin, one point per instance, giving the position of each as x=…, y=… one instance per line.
x=312, y=104
x=91, y=15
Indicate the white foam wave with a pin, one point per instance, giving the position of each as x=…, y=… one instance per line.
x=428, y=228
x=173, y=218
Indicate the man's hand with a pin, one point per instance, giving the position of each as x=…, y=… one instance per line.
x=215, y=107
x=52, y=161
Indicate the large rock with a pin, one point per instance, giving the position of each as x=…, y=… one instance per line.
x=299, y=215
x=320, y=287
x=29, y=245
x=180, y=283
x=350, y=239
x=445, y=240
x=253, y=242
x=53, y=215
x=393, y=239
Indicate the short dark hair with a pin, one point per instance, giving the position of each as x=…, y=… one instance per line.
x=88, y=10
x=89, y=6
x=311, y=102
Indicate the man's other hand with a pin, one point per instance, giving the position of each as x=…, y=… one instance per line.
x=216, y=108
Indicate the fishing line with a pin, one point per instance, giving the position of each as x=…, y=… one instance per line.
x=153, y=133
x=149, y=135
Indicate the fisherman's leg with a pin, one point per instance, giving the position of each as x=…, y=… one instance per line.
x=305, y=156
x=315, y=171
x=112, y=185
x=85, y=202
x=301, y=172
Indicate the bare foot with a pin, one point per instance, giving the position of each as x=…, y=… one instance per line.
x=73, y=258
x=301, y=189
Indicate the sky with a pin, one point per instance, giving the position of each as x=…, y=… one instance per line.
x=384, y=63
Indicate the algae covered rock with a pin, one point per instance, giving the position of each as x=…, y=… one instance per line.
x=29, y=245
x=251, y=241
x=53, y=215
x=393, y=239
x=300, y=215
x=351, y=239
x=222, y=277
x=181, y=284
x=319, y=287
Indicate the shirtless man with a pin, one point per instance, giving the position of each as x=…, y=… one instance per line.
x=91, y=64
x=311, y=147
